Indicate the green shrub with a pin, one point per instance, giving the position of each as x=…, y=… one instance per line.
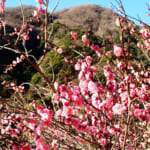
x=36, y=78
x=100, y=77
x=4, y=92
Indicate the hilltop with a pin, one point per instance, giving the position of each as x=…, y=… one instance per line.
x=102, y=20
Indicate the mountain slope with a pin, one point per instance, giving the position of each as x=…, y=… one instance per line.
x=100, y=19
x=14, y=17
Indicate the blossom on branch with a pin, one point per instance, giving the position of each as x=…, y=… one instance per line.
x=118, y=51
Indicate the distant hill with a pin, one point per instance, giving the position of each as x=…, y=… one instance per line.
x=14, y=16
x=101, y=19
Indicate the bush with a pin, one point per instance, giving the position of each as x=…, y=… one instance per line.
x=36, y=78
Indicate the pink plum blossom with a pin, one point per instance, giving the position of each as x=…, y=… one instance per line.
x=103, y=142
x=120, y=65
x=54, y=144
x=124, y=96
x=93, y=87
x=26, y=147
x=74, y=35
x=95, y=47
x=118, y=51
x=67, y=111
x=77, y=66
x=88, y=60
x=1, y=7
x=35, y=13
x=119, y=109
x=40, y=2
x=117, y=22
x=85, y=40
x=83, y=84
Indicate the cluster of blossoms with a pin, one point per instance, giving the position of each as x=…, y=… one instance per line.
x=2, y=6
x=110, y=100
x=13, y=86
x=59, y=50
x=23, y=33
x=46, y=115
x=15, y=124
x=89, y=96
x=118, y=51
x=35, y=18
x=40, y=9
x=96, y=48
x=14, y=63
x=145, y=43
x=74, y=35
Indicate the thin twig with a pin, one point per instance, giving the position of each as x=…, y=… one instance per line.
x=23, y=20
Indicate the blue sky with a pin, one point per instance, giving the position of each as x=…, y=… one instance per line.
x=133, y=8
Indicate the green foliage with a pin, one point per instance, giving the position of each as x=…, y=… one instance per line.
x=56, y=26
x=53, y=62
x=65, y=42
x=22, y=72
x=56, y=67
x=57, y=30
x=138, y=55
x=30, y=107
x=4, y=92
x=39, y=102
x=104, y=60
x=94, y=39
x=116, y=38
x=100, y=77
x=80, y=32
x=36, y=78
x=67, y=74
